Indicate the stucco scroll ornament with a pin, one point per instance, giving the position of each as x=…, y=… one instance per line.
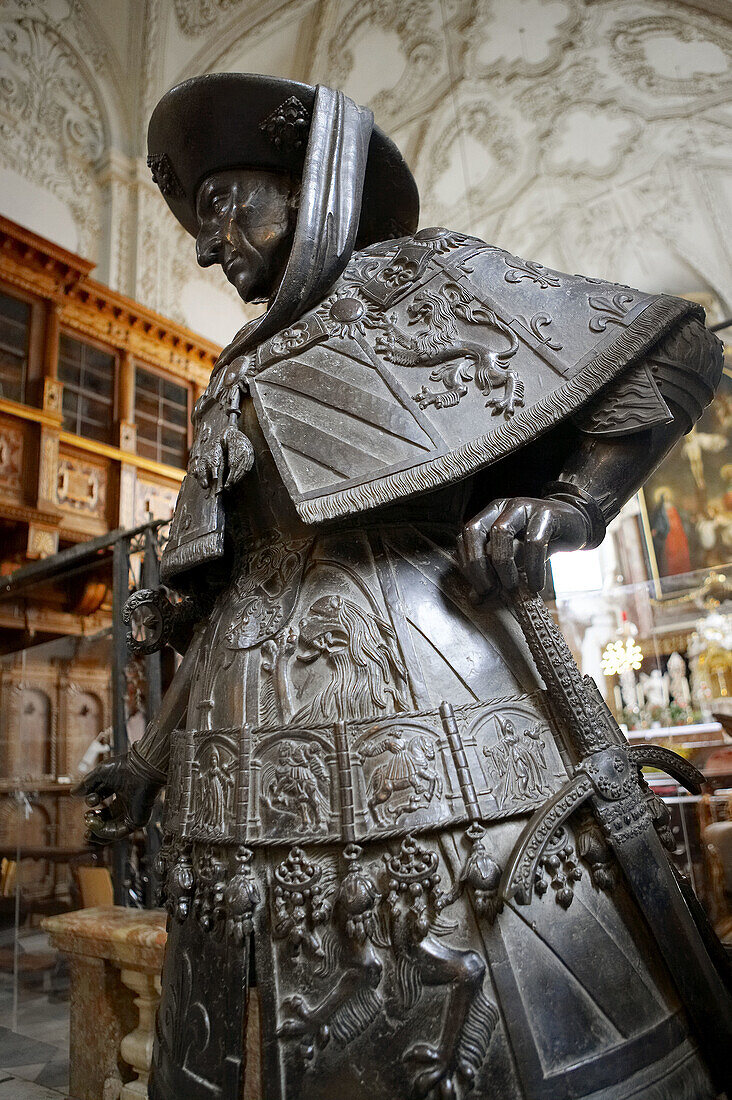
x=420, y=44
x=53, y=129
x=194, y=16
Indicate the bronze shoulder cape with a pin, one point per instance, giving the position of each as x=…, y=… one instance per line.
x=431, y=358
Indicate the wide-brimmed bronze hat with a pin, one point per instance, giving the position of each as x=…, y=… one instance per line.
x=242, y=120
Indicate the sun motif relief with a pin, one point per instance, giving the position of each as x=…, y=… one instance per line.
x=346, y=314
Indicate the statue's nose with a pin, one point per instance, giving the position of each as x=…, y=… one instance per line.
x=210, y=246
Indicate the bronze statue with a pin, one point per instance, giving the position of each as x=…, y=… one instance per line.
x=386, y=779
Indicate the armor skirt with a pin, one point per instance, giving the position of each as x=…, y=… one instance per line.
x=364, y=744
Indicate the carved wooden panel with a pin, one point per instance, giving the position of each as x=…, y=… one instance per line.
x=154, y=498
x=81, y=487
x=26, y=732
x=11, y=458
x=29, y=824
x=84, y=719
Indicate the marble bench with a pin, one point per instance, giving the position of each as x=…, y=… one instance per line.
x=115, y=960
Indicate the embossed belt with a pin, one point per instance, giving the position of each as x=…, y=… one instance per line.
x=355, y=781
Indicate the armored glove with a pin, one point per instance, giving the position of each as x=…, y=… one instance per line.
x=130, y=785
x=521, y=532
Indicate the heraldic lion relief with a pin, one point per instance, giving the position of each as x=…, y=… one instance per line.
x=392, y=801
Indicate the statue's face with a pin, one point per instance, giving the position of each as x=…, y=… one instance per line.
x=245, y=223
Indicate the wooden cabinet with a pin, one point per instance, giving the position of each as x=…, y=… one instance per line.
x=73, y=462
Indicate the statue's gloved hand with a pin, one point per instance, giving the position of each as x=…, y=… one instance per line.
x=519, y=534
x=122, y=793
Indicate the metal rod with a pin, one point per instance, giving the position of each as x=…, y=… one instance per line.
x=74, y=556
x=120, y=592
x=150, y=576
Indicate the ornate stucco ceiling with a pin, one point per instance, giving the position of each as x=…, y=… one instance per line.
x=593, y=135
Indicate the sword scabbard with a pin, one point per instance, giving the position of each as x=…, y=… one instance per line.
x=608, y=775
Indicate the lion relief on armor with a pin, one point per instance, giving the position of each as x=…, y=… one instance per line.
x=378, y=945
x=456, y=359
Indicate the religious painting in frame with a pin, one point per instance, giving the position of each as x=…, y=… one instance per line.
x=686, y=504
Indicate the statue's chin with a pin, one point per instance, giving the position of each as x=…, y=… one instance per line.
x=251, y=289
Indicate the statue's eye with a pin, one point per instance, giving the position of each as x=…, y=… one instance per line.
x=218, y=204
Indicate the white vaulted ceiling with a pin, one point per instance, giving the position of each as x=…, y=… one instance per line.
x=593, y=135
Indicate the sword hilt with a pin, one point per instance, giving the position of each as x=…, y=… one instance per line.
x=576, y=700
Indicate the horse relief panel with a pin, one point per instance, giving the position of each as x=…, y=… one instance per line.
x=402, y=772
x=409, y=772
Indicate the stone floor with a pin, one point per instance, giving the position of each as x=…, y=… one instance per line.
x=34, y=1033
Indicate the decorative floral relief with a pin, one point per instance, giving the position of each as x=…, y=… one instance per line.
x=611, y=310
x=195, y=16
x=668, y=55
x=537, y=324
x=346, y=314
x=530, y=270
x=51, y=124
x=477, y=152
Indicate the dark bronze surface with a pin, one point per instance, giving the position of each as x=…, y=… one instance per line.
x=399, y=795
